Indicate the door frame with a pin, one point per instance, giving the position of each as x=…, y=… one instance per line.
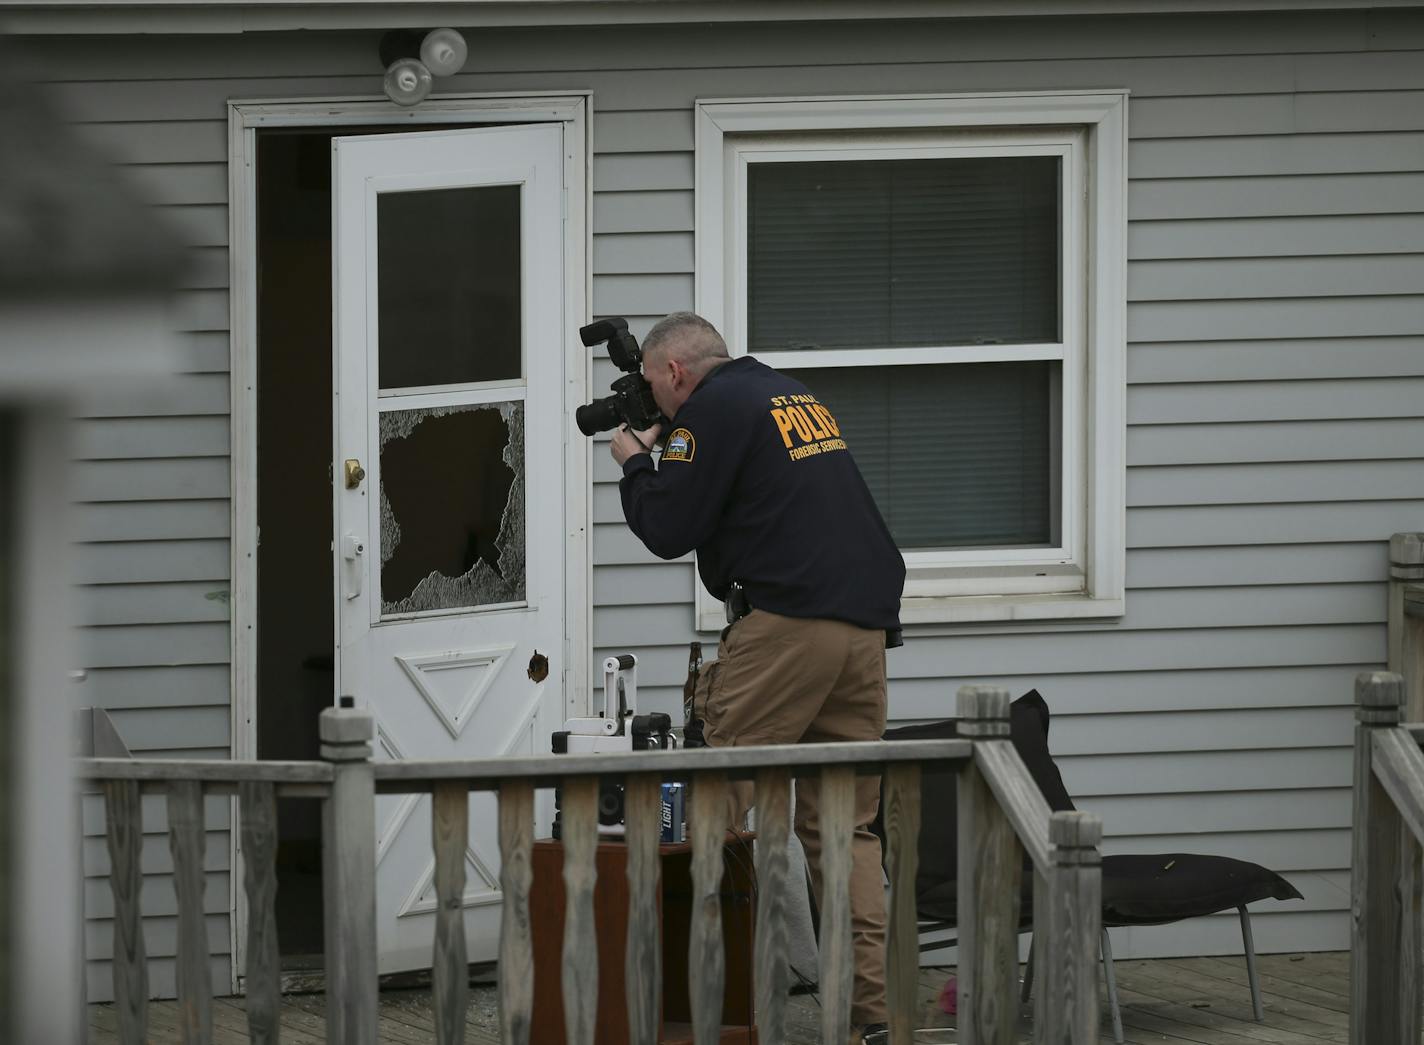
x=573, y=109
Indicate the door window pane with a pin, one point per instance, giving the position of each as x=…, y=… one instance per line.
x=882, y=253
x=452, y=507
x=449, y=286
x=955, y=455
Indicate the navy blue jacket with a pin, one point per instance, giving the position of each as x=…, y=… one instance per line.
x=756, y=477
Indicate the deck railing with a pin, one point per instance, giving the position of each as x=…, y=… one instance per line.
x=1388, y=819
x=1386, y=870
x=1001, y=813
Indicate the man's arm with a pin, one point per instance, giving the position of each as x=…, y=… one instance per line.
x=675, y=507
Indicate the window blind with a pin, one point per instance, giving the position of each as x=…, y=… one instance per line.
x=956, y=454
x=901, y=253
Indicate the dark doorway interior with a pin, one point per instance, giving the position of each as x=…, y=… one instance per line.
x=295, y=640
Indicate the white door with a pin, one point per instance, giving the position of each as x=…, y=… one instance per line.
x=449, y=347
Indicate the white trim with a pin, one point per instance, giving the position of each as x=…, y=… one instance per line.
x=234, y=16
x=484, y=391
x=242, y=421
x=453, y=395
x=919, y=356
x=1088, y=129
x=571, y=108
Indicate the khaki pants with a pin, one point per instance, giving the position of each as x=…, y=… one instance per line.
x=788, y=680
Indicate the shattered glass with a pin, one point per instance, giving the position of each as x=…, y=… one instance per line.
x=452, y=507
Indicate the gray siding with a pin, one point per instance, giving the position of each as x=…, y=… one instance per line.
x=1275, y=369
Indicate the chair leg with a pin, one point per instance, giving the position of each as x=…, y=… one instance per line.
x=1251, y=964
x=1112, y=987
x=1028, y=973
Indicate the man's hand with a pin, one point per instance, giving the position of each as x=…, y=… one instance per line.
x=628, y=444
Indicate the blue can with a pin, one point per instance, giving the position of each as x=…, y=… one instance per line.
x=672, y=813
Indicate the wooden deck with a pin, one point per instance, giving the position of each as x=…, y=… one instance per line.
x=1180, y=1001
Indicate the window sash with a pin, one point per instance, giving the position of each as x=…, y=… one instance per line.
x=1094, y=124
x=1068, y=147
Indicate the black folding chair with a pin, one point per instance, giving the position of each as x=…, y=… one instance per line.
x=1137, y=889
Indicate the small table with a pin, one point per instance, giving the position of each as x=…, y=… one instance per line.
x=610, y=916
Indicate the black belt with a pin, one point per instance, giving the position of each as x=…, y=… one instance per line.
x=737, y=606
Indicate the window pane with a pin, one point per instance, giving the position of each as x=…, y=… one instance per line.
x=872, y=253
x=956, y=455
x=452, y=507
x=449, y=286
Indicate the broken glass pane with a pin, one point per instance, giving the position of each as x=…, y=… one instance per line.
x=452, y=507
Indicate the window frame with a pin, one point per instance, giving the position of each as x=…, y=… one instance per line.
x=1083, y=576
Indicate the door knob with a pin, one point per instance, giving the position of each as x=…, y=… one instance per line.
x=354, y=473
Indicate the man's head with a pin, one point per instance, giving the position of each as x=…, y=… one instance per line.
x=677, y=354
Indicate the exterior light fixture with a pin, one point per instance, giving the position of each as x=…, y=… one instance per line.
x=407, y=81
x=413, y=57
x=444, y=52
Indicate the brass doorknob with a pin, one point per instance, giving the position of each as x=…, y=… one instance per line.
x=354, y=473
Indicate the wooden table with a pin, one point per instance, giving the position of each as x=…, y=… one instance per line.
x=610, y=900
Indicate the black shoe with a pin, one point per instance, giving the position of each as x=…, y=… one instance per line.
x=875, y=1034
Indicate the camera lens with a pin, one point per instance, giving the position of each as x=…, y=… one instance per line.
x=600, y=415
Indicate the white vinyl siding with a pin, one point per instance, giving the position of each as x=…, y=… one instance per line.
x=1275, y=401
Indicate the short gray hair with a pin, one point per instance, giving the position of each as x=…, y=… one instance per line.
x=689, y=339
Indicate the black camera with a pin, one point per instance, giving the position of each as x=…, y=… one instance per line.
x=632, y=399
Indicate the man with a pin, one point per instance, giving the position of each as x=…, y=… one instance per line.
x=756, y=477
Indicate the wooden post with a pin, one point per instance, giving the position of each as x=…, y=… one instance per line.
x=516, y=939
x=450, y=836
x=1384, y=885
x=837, y=827
x=579, y=810
x=258, y=805
x=990, y=869
x=1066, y=932
x=773, y=969
x=349, y=876
x=186, y=842
x=706, y=959
x=902, y=953
x=1406, y=619
x=123, y=818
x=642, y=961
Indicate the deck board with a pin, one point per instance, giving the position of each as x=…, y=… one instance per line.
x=1172, y=1001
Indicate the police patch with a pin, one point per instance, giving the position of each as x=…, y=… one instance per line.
x=680, y=446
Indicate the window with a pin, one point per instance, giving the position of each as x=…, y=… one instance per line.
x=947, y=273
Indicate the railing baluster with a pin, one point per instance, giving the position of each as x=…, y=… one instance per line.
x=1068, y=930
x=773, y=971
x=837, y=828
x=1384, y=883
x=123, y=817
x=708, y=820
x=902, y=858
x=195, y=980
x=349, y=877
x=990, y=870
x=258, y=810
x=642, y=965
x=1036, y=974
x=516, y=942
x=580, y=966
x=450, y=833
